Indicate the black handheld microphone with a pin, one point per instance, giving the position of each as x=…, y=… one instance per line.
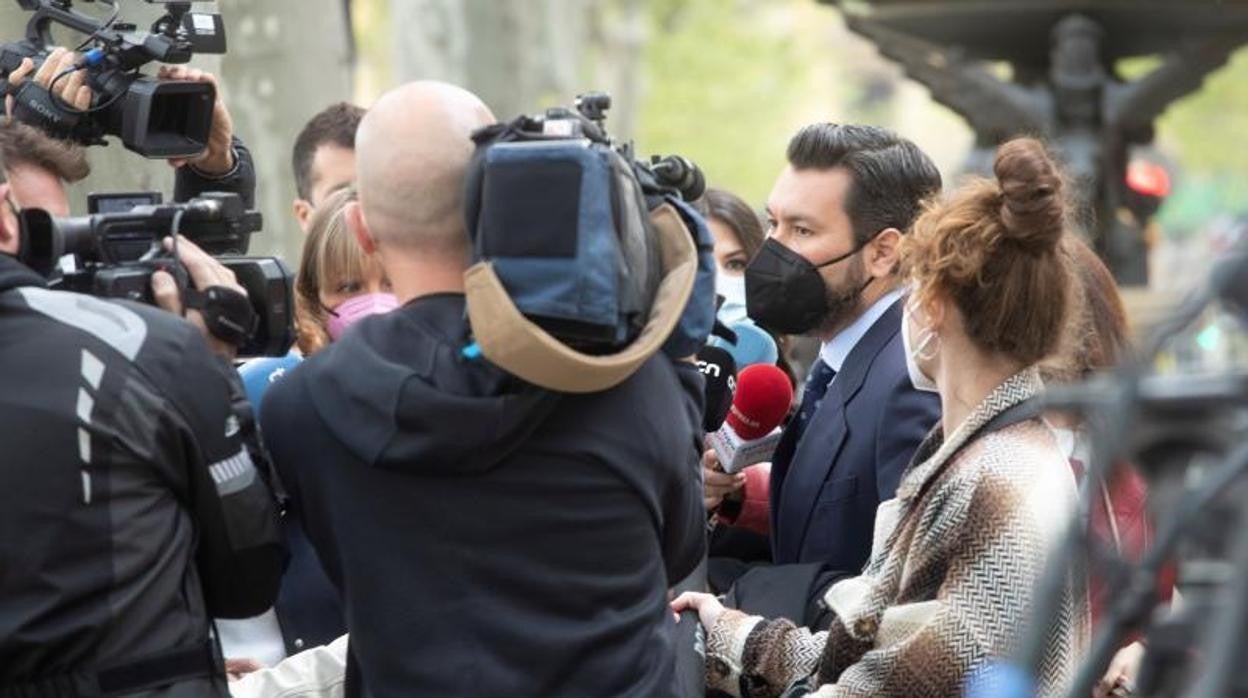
x=720, y=371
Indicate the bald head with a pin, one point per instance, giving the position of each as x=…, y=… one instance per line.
x=412, y=150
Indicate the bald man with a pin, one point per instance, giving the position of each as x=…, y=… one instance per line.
x=488, y=537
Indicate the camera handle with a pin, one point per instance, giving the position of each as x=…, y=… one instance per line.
x=39, y=26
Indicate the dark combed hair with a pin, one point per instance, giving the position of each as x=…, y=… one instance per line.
x=335, y=125
x=996, y=249
x=21, y=144
x=892, y=177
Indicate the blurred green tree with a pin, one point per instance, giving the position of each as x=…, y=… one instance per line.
x=723, y=84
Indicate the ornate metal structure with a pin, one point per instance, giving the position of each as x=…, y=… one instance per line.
x=1062, y=83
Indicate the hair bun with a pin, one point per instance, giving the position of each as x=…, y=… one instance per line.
x=1033, y=210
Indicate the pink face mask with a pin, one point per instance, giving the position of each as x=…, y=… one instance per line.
x=352, y=310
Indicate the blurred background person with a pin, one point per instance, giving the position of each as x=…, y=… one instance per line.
x=957, y=552
x=1098, y=339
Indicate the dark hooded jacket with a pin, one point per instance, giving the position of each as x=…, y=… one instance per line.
x=490, y=537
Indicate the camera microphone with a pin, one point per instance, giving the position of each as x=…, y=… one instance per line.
x=751, y=431
x=681, y=174
x=720, y=372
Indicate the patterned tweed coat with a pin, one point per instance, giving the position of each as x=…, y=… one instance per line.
x=949, y=583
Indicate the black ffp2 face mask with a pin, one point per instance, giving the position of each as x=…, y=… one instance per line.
x=784, y=292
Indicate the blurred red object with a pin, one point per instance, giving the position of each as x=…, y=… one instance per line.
x=1148, y=179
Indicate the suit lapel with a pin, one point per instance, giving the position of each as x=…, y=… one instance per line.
x=815, y=455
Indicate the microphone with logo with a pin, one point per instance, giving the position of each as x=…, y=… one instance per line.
x=720, y=371
x=752, y=429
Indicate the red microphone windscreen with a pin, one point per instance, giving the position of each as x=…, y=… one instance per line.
x=763, y=397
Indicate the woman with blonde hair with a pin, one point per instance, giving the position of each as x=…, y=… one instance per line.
x=337, y=283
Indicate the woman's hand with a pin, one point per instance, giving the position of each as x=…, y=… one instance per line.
x=708, y=607
x=1119, y=679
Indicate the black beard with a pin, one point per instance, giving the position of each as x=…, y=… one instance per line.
x=844, y=303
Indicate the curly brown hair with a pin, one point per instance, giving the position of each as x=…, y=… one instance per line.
x=994, y=249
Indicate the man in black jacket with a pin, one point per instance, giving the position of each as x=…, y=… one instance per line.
x=133, y=497
x=489, y=537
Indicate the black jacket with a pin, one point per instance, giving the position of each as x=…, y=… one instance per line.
x=189, y=183
x=491, y=538
x=132, y=504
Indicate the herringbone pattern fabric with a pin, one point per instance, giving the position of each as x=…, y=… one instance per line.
x=951, y=587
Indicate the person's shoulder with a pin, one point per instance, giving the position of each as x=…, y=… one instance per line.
x=125, y=326
x=1018, y=456
x=659, y=376
x=1020, y=467
x=150, y=342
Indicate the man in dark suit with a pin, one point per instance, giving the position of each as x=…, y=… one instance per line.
x=829, y=269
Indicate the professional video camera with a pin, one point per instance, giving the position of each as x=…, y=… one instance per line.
x=118, y=246
x=561, y=211
x=155, y=118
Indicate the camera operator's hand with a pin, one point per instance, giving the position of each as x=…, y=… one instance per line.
x=71, y=88
x=204, y=272
x=218, y=158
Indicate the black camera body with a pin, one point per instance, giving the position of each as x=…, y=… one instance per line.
x=118, y=247
x=155, y=118
x=663, y=173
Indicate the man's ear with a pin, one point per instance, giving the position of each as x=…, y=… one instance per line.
x=884, y=253
x=354, y=216
x=303, y=214
x=8, y=223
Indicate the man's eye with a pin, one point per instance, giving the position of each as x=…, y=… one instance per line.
x=803, y=232
x=771, y=225
x=735, y=265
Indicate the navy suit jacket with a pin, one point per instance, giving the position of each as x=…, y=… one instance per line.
x=825, y=486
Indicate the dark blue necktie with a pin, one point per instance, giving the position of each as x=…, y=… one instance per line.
x=817, y=383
